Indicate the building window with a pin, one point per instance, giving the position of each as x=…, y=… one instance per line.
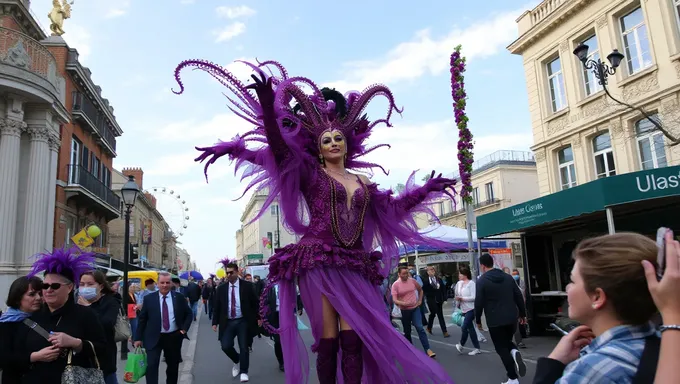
x=558, y=96
x=75, y=160
x=604, y=156
x=650, y=144
x=590, y=83
x=565, y=158
x=676, y=3
x=489, y=191
x=475, y=196
x=636, y=41
x=95, y=166
x=273, y=209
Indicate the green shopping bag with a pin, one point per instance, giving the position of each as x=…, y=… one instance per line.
x=135, y=368
x=457, y=317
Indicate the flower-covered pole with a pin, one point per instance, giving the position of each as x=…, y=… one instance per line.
x=465, y=144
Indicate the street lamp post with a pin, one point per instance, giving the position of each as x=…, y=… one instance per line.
x=129, y=192
x=602, y=71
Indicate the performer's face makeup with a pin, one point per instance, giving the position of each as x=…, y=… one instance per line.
x=333, y=146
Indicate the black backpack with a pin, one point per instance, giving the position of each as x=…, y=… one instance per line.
x=649, y=361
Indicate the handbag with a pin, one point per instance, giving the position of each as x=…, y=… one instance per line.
x=74, y=374
x=122, y=328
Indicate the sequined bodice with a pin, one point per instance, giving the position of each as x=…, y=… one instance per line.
x=333, y=218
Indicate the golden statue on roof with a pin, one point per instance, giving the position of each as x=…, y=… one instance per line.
x=60, y=12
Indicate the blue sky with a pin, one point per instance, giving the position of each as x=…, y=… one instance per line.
x=133, y=47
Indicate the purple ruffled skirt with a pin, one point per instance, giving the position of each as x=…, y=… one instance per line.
x=388, y=356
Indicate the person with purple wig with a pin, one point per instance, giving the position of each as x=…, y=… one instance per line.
x=302, y=149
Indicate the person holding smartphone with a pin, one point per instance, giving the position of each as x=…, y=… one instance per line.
x=664, y=286
x=608, y=294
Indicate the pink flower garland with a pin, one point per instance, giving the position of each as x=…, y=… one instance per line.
x=465, y=145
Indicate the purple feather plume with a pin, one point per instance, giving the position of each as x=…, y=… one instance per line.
x=68, y=262
x=226, y=261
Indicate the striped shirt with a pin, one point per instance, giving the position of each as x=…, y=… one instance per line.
x=612, y=357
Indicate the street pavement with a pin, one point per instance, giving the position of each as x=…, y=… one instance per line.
x=211, y=364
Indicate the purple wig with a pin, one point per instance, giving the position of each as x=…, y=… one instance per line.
x=70, y=263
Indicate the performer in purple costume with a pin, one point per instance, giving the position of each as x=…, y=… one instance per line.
x=304, y=146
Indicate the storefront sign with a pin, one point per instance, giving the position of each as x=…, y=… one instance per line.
x=591, y=197
x=445, y=258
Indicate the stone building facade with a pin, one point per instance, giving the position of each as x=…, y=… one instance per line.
x=580, y=134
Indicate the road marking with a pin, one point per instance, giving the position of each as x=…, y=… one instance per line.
x=483, y=350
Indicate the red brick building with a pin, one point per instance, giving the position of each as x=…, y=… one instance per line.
x=88, y=146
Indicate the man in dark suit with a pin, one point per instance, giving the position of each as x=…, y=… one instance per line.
x=162, y=326
x=193, y=294
x=273, y=319
x=435, y=294
x=236, y=313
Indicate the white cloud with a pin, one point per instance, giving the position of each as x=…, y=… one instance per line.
x=222, y=126
x=121, y=8
x=229, y=32
x=426, y=54
x=79, y=38
x=234, y=12
x=172, y=165
x=433, y=144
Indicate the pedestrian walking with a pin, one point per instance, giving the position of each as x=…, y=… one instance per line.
x=499, y=297
x=408, y=296
x=435, y=295
x=236, y=312
x=162, y=326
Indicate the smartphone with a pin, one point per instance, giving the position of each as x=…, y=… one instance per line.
x=558, y=329
x=661, y=255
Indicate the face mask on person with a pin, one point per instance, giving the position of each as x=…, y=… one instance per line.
x=516, y=277
x=87, y=293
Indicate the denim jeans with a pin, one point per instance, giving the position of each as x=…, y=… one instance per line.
x=111, y=378
x=194, y=308
x=133, y=327
x=469, y=328
x=415, y=317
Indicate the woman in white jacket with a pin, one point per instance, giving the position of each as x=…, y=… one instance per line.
x=465, y=299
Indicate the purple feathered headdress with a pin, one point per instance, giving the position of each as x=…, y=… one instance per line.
x=68, y=262
x=226, y=261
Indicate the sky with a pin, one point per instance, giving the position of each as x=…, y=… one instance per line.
x=133, y=46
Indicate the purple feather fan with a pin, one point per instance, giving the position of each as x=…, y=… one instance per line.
x=68, y=262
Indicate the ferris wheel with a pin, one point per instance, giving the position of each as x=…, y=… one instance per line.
x=173, y=208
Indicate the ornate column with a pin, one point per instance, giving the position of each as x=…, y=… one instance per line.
x=35, y=209
x=54, y=144
x=10, y=146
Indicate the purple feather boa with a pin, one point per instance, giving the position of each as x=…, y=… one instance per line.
x=68, y=262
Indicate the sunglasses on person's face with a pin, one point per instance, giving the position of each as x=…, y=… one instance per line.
x=54, y=286
x=229, y=273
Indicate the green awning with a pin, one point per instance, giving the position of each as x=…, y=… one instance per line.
x=255, y=257
x=591, y=197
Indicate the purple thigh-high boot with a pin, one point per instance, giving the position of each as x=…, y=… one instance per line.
x=352, y=361
x=327, y=360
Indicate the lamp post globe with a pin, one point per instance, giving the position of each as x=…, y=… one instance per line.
x=130, y=191
x=581, y=52
x=615, y=58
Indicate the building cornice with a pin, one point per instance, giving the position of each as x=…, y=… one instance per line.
x=22, y=15
x=542, y=24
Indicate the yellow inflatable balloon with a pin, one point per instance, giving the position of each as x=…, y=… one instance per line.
x=93, y=231
x=220, y=273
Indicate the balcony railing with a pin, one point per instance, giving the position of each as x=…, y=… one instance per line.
x=77, y=175
x=497, y=157
x=21, y=51
x=85, y=109
x=544, y=9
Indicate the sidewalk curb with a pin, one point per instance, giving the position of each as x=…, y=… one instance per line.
x=185, y=374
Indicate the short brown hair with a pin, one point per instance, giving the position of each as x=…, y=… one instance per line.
x=613, y=263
